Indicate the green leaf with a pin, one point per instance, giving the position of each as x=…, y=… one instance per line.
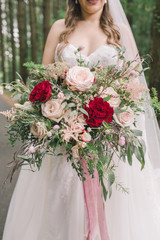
x=129, y=156
x=84, y=111
x=69, y=105
x=111, y=178
x=107, y=98
x=137, y=132
x=106, y=125
x=104, y=189
x=48, y=125
x=66, y=91
x=117, y=110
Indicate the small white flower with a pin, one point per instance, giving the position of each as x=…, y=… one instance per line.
x=8, y=87
x=89, y=129
x=82, y=144
x=1, y=92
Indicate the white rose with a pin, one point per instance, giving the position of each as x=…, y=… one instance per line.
x=115, y=99
x=126, y=118
x=53, y=109
x=79, y=79
x=38, y=130
x=27, y=106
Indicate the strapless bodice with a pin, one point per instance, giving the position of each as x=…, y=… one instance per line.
x=106, y=55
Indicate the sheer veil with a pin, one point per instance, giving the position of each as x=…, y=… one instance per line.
x=151, y=124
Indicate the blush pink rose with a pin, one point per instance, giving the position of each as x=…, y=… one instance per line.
x=126, y=118
x=79, y=79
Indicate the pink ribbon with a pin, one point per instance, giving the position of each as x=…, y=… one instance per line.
x=97, y=226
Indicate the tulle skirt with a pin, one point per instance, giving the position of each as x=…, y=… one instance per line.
x=49, y=204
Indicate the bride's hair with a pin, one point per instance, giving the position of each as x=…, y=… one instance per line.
x=73, y=15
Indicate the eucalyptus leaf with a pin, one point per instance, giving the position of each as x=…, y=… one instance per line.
x=107, y=98
x=137, y=132
x=106, y=125
x=111, y=178
x=84, y=111
x=129, y=156
x=48, y=125
x=117, y=110
x=69, y=105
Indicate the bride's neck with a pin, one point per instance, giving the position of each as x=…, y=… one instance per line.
x=94, y=17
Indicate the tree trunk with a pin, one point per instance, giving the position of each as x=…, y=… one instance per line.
x=33, y=24
x=46, y=20
x=129, y=12
x=155, y=49
x=55, y=8
x=22, y=37
x=11, y=17
x=2, y=48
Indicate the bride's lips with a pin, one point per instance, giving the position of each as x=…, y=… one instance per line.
x=92, y=2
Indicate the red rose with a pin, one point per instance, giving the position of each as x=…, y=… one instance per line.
x=41, y=92
x=98, y=111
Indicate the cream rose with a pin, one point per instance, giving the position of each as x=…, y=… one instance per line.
x=53, y=109
x=38, y=130
x=79, y=79
x=126, y=118
x=115, y=99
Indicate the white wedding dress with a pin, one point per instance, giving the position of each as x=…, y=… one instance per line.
x=49, y=204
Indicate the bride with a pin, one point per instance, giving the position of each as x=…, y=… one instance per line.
x=51, y=204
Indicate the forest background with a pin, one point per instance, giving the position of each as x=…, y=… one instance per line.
x=24, y=25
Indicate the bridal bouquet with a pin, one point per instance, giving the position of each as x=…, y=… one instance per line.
x=89, y=112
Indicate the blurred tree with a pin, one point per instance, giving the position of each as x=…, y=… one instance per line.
x=55, y=9
x=11, y=18
x=155, y=49
x=2, y=48
x=33, y=25
x=46, y=17
x=22, y=24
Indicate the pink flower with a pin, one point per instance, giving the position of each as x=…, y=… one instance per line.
x=107, y=131
x=100, y=67
x=121, y=141
x=49, y=134
x=133, y=74
x=86, y=137
x=31, y=149
x=79, y=79
x=117, y=84
x=56, y=127
x=60, y=95
x=135, y=88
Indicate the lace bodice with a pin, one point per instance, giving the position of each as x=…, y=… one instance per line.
x=106, y=55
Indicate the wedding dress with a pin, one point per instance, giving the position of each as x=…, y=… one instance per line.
x=49, y=204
